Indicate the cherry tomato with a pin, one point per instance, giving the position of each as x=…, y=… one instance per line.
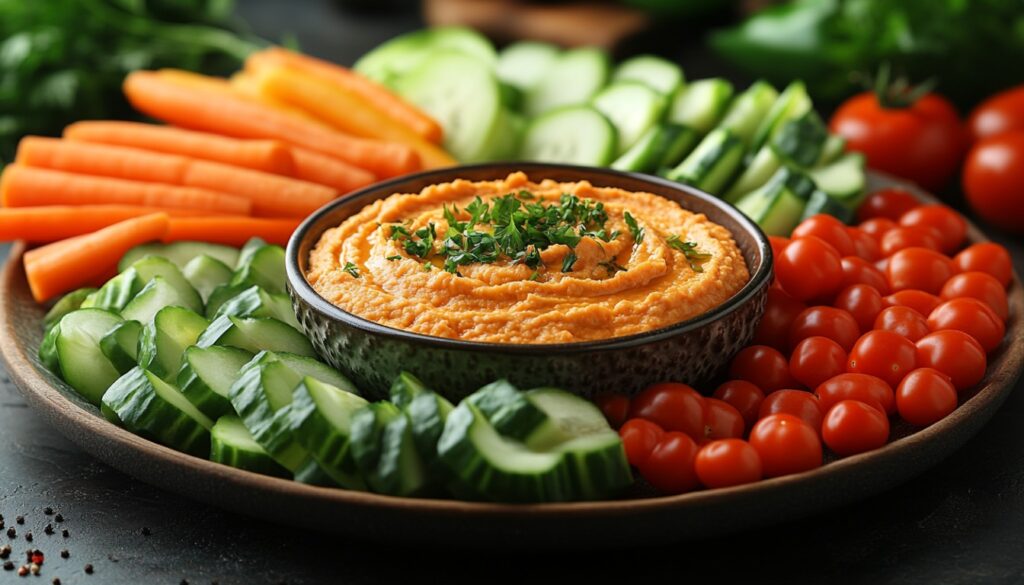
x=1000, y=113
x=903, y=321
x=986, y=257
x=920, y=269
x=615, y=407
x=672, y=406
x=865, y=244
x=817, y=359
x=949, y=225
x=830, y=230
x=971, y=316
x=744, y=397
x=809, y=268
x=925, y=396
x=852, y=386
x=835, y=324
x=639, y=436
x=981, y=286
x=903, y=237
x=799, y=403
x=852, y=427
x=955, y=354
x=863, y=302
x=923, y=142
x=727, y=462
x=763, y=366
x=722, y=420
x=878, y=226
x=779, y=244
x=786, y=445
x=859, y=271
x=669, y=467
x=779, y=313
x=993, y=179
x=918, y=300
x=889, y=203
x=883, y=354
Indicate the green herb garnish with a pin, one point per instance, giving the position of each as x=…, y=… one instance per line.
x=351, y=269
x=634, y=229
x=612, y=266
x=393, y=258
x=568, y=261
x=689, y=249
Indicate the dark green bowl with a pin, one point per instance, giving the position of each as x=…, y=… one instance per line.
x=693, y=351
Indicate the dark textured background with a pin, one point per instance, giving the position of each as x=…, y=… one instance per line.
x=962, y=522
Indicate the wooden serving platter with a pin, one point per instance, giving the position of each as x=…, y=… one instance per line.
x=622, y=522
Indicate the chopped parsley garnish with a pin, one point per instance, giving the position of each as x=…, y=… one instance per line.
x=351, y=269
x=568, y=261
x=689, y=249
x=634, y=229
x=393, y=258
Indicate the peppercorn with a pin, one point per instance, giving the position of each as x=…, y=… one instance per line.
x=65, y=533
x=88, y=569
x=5, y=551
x=20, y=519
x=8, y=566
x=56, y=581
x=49, y=529
x=12, y=533
x=48, y=511
x=65, y=554
x=146, y=531
x=28, y=536
x=59, y=518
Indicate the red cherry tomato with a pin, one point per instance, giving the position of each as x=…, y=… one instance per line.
x=883, y=354
x=669, y=467
x=879, y=226
x=835, y=324
x=727, y=462
x=744, y=397
x=786, y=445
x=923, y=142
x=971, y=316
x=859, y=271
x=863, y=302
x=920, y=269
x=986, y=257
x=722, y=420
x=779, y=313
x=852, y=386
x=925, y=396
x=672, y=406
x=830, y=230
x=955, y=354
x=949, y=225
x=865, y=244
x=799, y=403
x=779, y=244
x=1000, y=113
x=903, y=321
x=993, y=180
x=809, y=268
x=817, y=359
x=763, y=366
x=903, y=237
x=890, y=203
x=981, y=286
x=918, y=300
x=852, y=427
x=639, y=436
x=615, y=407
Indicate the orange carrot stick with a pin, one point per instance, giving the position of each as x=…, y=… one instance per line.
x=231, y=230
x=269, y=156
x=319, y=168
x=47, y=224
x=22, y=186
x=68, y=264
x=212, y=111
x=371, y=92
x=271, y=195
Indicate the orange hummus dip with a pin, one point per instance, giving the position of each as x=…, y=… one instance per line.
x=605, y=263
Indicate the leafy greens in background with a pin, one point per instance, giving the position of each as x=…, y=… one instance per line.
x=972, y=47
x=64, y=60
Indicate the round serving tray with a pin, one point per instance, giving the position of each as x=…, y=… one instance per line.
x=404, y=520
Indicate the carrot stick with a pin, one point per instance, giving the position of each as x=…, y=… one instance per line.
x=248, y=86
x=319, y=168
x=371, y=92
x=213, y=111
x=271, y=195
x=47, y=224
x=22, y=186
x=68, y=264
x=269, y=156
x=231, y=230
x=345, y=110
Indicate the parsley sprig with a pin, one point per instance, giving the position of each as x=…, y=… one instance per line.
x=690, y=251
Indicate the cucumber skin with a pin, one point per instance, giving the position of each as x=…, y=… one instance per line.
x=199, y=393
x=116, y=293
x=269, y=428
x=332, y=450
x=67, y=303
x=263, y=267
x=255, y=461
x=405, y=389
x=610, y=465
x=150, y=356
x=400, y=470
x=111, y=345
x=48, y=349
x=255, y=302
x=507, y=409
x=365, y=435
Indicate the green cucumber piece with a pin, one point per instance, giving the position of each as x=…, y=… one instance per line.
x=748, y=110
x=366, y=432
x=793, y=103
x=205, y=273
x=400, y=470
x=156, y=295
x=712, y=164
x=232, y=444
x=255, y=335
x=48, y=349
x=701, y=104
x=427, y=414
x=67, y=303
x=251, y=246
x=146, y=405
x=575, y=135
x=523, y=64
x=834, y=147
x=508, y=410
x=256, y=302
x=221, y=295
x=407, y=53
x=121, y=345
x=165, y=339
x=207, y=374
x=662, y=145
x=405, y=388
x=760, y=170
x=821, y=202
x=573, y=79
x=115, y=293
x=632, y=107
x=778, y=205
x=76, y=345
x=321, y=419
x=799, y=142
x=659, y=74
x=264, y=267
x=844, y=180
x=180, y=253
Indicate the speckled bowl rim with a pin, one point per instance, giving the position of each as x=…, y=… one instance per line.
x=316, y=224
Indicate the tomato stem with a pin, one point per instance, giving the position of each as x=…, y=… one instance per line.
x=898, y=94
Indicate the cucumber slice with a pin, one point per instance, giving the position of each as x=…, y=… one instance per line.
x=115, y=293
x=506, y=136
x=573, y=79
x=407, y=53
x=165, y=338
x=180, y=253
x=834, y=147
x=255, y=335
x=76, y=345
x=713, y=163
x=508, y=410
x=427, y=414
x=462, y=94
x=792, y=103
x=232, y=444
x=821, y=202
x=405, y=388
x=48, y=349
x=366, y=432
x=207, y=374
x=156, y=295
x=778, y=205
x=256, y=302
x=313, y=473
x=205, y=273
x=633, y=108
x=655, y=72
x=748, y=110
x=67, y=303
x=844, y=180
x=221, y=295
x=760, y=170
x=701, y=104
x=523, y=64
x=799, y=142
x=662, y=145
x=575, y=135
x=121, y=345
x=321, y=420
x=400, y=470
x=251, y=246
x=264, y=267
x=146, y=405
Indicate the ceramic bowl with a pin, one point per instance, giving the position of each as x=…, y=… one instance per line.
x=694, y=351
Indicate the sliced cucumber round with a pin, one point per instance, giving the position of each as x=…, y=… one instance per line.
x=633, y=108
x=400, y=470
x=232, y=444
x=321, y=419
x=701, y=104
x=207, y=374
x=659, y=74
x=256, y=302
x=575, y=135
x=205, y=273
x=405, y=53
x=67, y=303
x=264, y=267
x=180, y=253
x=121, y=345
x=523, y=64
x=165, y=338
x=255, y=335
x=76, y=344
x=574, y=78
x=508, y=410
x=156, y=295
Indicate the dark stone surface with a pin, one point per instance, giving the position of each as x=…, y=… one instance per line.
x=962, y=522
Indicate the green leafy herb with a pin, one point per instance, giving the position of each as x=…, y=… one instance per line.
x=351, y=269
x=634, y=229
x=535, y=276
x=612, y=266
x=568, y=262
x=689, y=250
x=393, y=258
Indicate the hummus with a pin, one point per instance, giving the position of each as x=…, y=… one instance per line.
x=542, y=262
